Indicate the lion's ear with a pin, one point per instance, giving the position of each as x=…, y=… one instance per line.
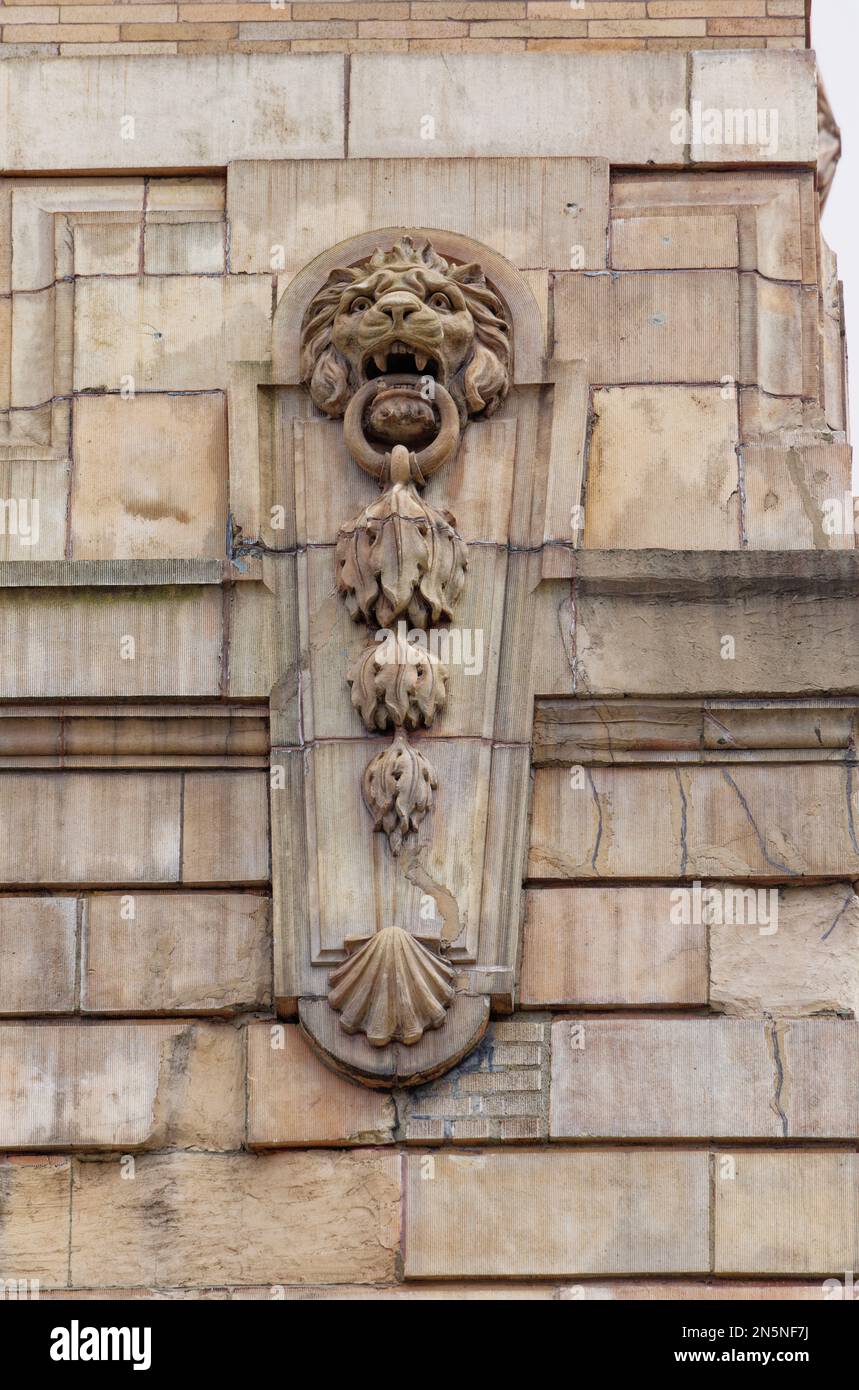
x=484, y=380
x=329, y=384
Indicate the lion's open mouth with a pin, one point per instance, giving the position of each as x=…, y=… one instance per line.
x=399, y=359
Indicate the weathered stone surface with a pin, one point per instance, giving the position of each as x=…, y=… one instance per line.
x=663, y=470
x=809, y=965
x=798, y=498
x=602, y=946
x=37, y=955
x=533, y=1214
x=34, y=503
x=185, y=248
x=500, y=1091
x=78, y=827
x=705, y=242
x=55, y=642
x=121, y=1086
x=190, y=1219
x=179, y=953
x=530, y=210
x=781, y=644
x=168, y=332
x=769, y=82
x=187, y=112
x=786, y=1213
x=615, y=105
x=714, y=822
x=295, y=1100
x=680, y=326
x=704, y=1078
x=225, y=828
x=408, y=1293
x=150, y=477
x=34, y=1217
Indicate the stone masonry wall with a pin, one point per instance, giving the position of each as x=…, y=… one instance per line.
x=396, y=26
x=666, y=1105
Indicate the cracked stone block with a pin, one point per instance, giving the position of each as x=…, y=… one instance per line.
x=121, y=1086
x=500, y=1092
x=556, y=1212
x=663, y=470
x=810, y=965
x=743, y=821
x=294, y=1099
x=190, y=1219
x=704, y=1078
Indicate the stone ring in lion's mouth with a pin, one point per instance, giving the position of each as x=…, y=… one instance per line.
x=394, y=410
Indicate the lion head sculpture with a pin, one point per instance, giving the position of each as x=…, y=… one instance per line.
x=407, y=311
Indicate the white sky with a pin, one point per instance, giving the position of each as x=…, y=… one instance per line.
x=835, y=35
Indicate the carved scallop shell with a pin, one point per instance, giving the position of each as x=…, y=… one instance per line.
x=397, y=786
x=391, y=988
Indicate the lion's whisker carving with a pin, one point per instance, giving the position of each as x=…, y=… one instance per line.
x=406, y=347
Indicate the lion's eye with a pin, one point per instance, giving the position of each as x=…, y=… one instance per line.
x=440, y=301
x=359, y=305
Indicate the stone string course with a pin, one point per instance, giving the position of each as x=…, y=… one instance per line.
x=128, y=27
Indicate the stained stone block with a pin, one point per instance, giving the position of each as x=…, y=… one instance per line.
x=663, y=470
x=556, y=1213
x=150, y=477
x=121, y=1086
x=798, y=498
x=191, y=1219
x=37, y=955
x=786, y=1213
x=609, y=946
x=295, y=1100
x=170, y=332
x=180, y=953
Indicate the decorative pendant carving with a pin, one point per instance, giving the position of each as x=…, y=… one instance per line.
x=406, y=346
x=401, y=558
x=397, y=683
x=391, y=987
x=398, y=785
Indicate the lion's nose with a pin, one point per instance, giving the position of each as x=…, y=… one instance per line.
x=399, y=307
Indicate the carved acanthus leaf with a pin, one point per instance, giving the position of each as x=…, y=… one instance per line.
x=398, y=787
x=401, y=558
x=397, y=683
x=392, y=988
